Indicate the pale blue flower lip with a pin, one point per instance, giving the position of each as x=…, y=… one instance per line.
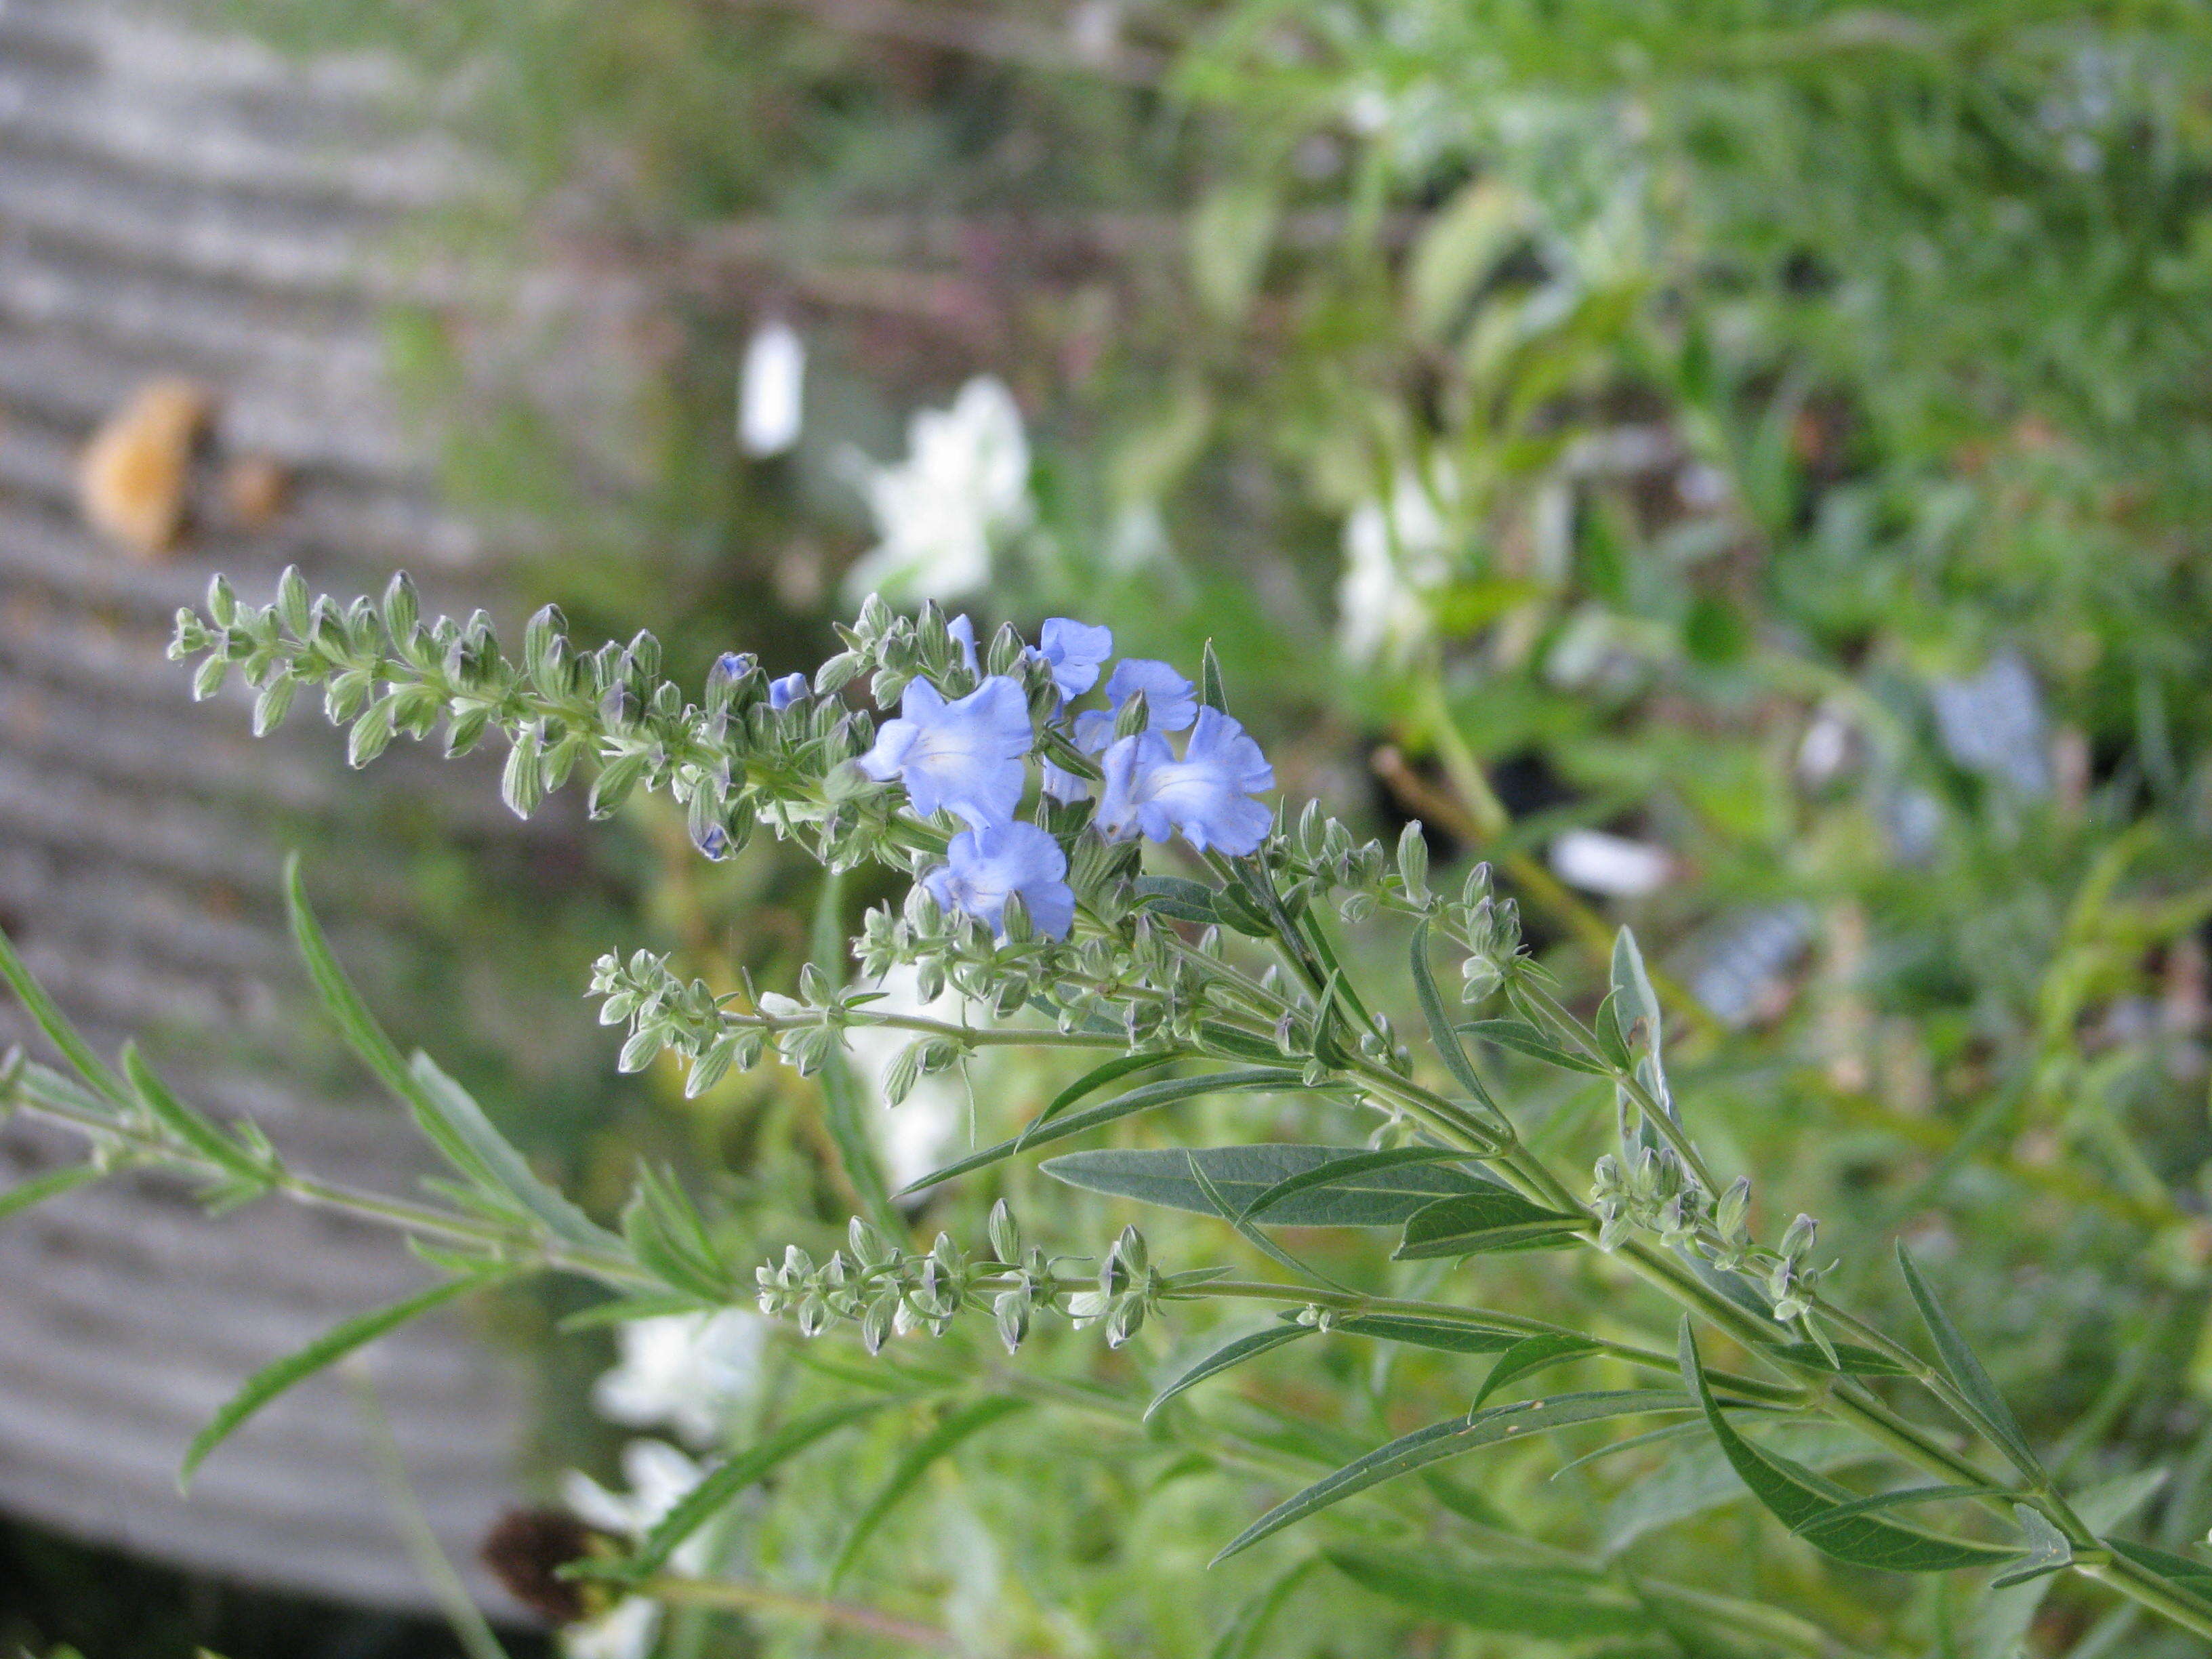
x=964, y=758
x=1076, y=651
x=782, y=693
x=1206, y=796
x=986, y=865
x=1170, y=701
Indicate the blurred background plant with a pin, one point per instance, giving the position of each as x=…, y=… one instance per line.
x=1738, y=468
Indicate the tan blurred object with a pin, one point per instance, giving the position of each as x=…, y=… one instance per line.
x=133, y=482
x=255, y=489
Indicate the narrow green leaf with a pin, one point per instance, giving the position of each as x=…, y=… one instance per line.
x=49, y=1017
x=1441, y=1034
x=1903, y=1498
x=1340, y=1172
x=1512, y=1598
x=1385, y=1195
x=970, y=1419
x=1854, y=1360
x=495, y=1156
x=2049, y=1550
x=1798, y=1498
x=1454, y=1437
x=2193, y=1576
x=1211, y=691
x=195, y=1130
x=1476, y=1222
x=726, y=1480
x=53, y=1184
x=1233, y=1212
x=1241, y=1638
x=344, y=1005
x=1650, y=1437
x=1634, y=997
x=1524, y=1038
x=1089, y=1083
x=1226, y=1357
x=1530, y=1355
x=1446, y=1336
x=1163, y=1093
x=1177, y=897
x=1965, y=1372
x=334, y=1345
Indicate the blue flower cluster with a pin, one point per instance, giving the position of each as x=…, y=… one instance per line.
x=968, y=756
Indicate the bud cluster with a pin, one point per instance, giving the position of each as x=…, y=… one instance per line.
x=1654, y=1192
x=733, y=759
x=895, y=650
x=887, y=1290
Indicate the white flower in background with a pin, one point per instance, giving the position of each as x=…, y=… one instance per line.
x=684, y=1370
x=771, y=390
x=915, y=1136
x=1612, y=864
x=625, y=1631
x=660, y=1478
x=1395, y=558
x=964, y=483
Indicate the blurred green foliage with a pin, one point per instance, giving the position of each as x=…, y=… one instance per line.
x=1767, y=373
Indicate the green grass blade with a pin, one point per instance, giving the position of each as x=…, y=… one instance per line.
x=725, y=1482
x=969, y=1420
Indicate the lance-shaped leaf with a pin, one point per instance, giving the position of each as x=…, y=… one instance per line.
x=1241, y=1638
x=1512, y=1598
x=1163, y=1093
x=2049, y=1550
x=1090, y=1084
x=1633, y=998
x=1446, y=1336
x=2194, y=1577
x=1441, y=1034
x=1491, y=1219
x=1387, y=1195
x=1227, y=1356
x=1176, y=896
x=1802, y=1500
x=1530, y=1355
x=969, y=1420
x=53, y=1184
x=451, y=1117
x=334, y=1345
x=194, y=1129
x=1850, y=1360
x=1355, y=1170
x=1454, y=1437
x=1225, y=1205
x=1523, y=1038
x=1990, y=1413
x=49, y=1018
x=726, y=1480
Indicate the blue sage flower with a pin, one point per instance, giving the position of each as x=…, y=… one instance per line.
x=782, y=693
x=962, y=757
x=1207, y=795
x=987, y=864
x=1170, y=701
x=1076, y=651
